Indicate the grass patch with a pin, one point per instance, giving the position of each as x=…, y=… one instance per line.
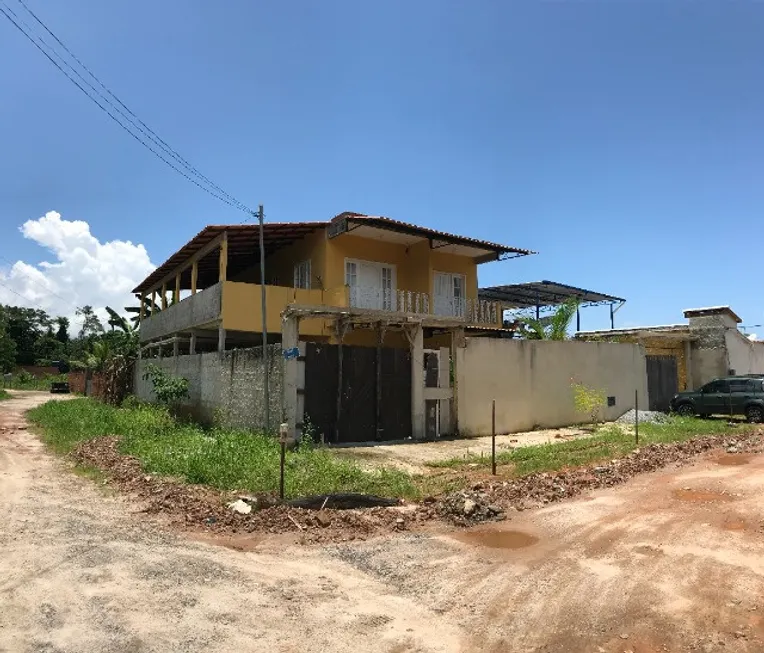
x=4, y=395
x=607, y=443
x=222, y=458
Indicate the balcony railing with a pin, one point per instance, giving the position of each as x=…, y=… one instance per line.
x=236, y=306
x=473, y=311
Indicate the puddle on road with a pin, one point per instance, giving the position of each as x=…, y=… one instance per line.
x=730, y=459
x=498, y=539
x=701, y=496
x=734, y=524
x=244, y=543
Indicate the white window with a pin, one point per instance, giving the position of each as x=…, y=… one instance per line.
x=372, y=284
x=450, y=294
x=302, y=275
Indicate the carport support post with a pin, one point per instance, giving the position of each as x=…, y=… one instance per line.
x=417, y=383
x=290, y=332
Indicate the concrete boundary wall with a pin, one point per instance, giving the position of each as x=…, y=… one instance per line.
x=531, y=381
x=224, y=389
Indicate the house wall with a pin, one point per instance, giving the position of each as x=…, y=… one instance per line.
x=708, y=364
x=242, y=307
x=227, y=389
x=531, y=381
x=745, y=356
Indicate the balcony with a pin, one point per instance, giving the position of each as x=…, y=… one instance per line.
x=236, y=306
x=198, y=310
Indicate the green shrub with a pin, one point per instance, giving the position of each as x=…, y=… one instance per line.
x=589, y=401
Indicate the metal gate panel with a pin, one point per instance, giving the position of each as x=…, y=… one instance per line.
x=360, y=419
x=662, y=382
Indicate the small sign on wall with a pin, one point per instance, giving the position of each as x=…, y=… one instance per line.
x=289, y=354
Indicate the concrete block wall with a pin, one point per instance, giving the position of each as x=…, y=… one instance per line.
x=531, y=382
x=224, y=389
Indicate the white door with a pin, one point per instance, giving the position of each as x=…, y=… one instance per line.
x=372, y=285
x=449, y=294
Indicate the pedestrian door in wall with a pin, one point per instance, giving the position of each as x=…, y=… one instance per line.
x=357, y=394
x=662, y=382
x=431, y=406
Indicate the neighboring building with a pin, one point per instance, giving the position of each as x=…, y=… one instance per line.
x=686, y=356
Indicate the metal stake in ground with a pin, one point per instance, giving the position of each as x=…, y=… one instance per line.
x=266, y=384
x=493, y=437
x=636, y=415
x=283, y=437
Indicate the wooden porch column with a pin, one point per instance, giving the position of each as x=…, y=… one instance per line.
x=176, y=293
x=153, y=301
x=194, y=276
x=290, y=336
x=142, y=312
x=164, y=296
x=224, y=257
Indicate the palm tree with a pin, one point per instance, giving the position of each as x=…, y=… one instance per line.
x=554, y=327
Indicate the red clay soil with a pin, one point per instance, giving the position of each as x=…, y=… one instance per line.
x=199, y=507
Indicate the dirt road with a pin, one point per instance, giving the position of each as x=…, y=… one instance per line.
x=669, y=562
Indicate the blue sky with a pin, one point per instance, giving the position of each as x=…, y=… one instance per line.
x=622, y=140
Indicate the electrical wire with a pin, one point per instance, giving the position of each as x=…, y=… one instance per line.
x=130, y=115
x=110, y=108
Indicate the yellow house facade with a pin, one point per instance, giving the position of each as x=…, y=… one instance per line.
x=211, y=293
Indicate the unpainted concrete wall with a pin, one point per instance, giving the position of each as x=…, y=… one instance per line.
x=532, y=381
x=707, y=365
x=745, y=356
x=227, y=389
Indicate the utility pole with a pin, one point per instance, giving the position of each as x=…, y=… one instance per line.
x=266, y=384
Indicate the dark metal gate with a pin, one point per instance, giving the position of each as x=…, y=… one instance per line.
x=662, y=382
x=375, y=398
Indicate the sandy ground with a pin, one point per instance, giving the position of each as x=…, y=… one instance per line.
x=671, y=561
x=414, y=456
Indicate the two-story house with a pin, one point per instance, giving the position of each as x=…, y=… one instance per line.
x=355, y=280
x=208, y=293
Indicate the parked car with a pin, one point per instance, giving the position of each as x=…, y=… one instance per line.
x=59, y=387
x=731, y=395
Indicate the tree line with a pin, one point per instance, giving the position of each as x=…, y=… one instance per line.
x=30, y=336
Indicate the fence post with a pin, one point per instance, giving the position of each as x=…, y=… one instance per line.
x=636, y=415
x=493, y=437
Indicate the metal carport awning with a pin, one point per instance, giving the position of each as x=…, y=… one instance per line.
x=545, y=295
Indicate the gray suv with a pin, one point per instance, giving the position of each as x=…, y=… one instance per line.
x=731, y=395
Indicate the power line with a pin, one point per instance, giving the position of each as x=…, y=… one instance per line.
x=132, y=120
x=132, y=117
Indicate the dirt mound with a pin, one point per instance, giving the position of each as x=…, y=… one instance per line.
x=198, y=506
x=535, y=490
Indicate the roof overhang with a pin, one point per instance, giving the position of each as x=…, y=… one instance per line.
x=545, y=294
x=394, y=231
x=243, y=251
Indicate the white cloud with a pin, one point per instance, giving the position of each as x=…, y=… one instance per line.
x=85, y=271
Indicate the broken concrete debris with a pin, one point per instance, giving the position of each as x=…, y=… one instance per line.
x=241, y=507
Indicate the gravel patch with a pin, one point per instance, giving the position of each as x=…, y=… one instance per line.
x=645, y=416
